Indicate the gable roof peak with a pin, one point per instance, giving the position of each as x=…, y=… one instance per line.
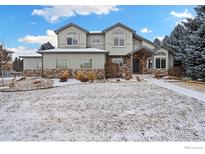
x=121, y=25
x=68, y=25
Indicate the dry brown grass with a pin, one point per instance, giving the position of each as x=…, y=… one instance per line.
x=192, y=85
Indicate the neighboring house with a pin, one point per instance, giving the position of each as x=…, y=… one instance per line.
x=80, y=49
x=32, y=62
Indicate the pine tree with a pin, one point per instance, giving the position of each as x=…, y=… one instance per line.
x=46, y=46
x=4, y=58
x=157, y=42
x=177, y=41
x=18, y=64
x=195, y=57
x=188, y=40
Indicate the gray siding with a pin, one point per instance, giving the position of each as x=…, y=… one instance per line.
x=99, y=46
x=62, y=38
x=109, y=43
x=74, y=60
x=31, y=63
x=136, y=44
x=148, y=45
x=171, y=60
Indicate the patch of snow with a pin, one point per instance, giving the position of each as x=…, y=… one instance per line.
x=57, y=82
x=81, y=50
x=124, y=111
x=178, y=89
x=9, y=78
x=29, y=55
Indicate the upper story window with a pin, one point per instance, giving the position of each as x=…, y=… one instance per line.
x=72, y=38
x=96, y=41
x=119, y=39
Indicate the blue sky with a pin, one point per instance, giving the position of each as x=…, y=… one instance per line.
x=23, y=28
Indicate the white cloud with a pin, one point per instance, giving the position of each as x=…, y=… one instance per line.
x=40, y=39
x=160, y=37
x=33, y=23
x=19, y=51
x=54, y=13
x=145, y=30
x=185, y=14
x=180, y=22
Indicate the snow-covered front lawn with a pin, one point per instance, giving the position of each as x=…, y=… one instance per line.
x=128, y=111
x=57, y=83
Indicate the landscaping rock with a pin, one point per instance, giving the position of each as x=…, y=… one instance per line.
x=30, y=84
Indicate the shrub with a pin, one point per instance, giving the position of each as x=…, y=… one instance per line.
x=91, y=76
x=82, y=76
x=64, y=76
x=112, y=70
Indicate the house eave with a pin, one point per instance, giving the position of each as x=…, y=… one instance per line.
x=140, y=48
x=69, y=25
x=121, y=25
x=84, y=50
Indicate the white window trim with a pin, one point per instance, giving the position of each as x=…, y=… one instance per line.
x=77, y=39
x=118, y=61
x=148, y=62
x=67, y=63
x=86, y=60
x=161, y=57
x=114, y=35
x=96, y=42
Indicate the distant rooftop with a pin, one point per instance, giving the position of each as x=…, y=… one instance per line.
x=30, y=55
x=97, y=31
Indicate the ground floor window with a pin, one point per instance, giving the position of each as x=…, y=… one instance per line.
x=86, y=64
x=118, y=61
x=149, y=63
x=61, y=63
x=160, y=62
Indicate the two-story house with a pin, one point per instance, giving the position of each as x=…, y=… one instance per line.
x=80, y=49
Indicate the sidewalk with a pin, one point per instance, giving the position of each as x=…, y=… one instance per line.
x=181, y=90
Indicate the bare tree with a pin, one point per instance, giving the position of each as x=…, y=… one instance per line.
x=4, y=59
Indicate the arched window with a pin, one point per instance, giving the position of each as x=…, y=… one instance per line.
x=72, y=38
x=119, y=39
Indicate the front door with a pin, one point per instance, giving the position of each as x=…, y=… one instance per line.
x=136, y=66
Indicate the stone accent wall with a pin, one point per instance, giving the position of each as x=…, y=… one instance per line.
x=142, y=62
x=127, y=72
x=159, y=72
x=55, y=73
x=112, y=70
x=116, y=71
x=142, y=58
x=32, y=73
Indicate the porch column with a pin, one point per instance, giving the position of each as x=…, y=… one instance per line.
x=131, y=65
